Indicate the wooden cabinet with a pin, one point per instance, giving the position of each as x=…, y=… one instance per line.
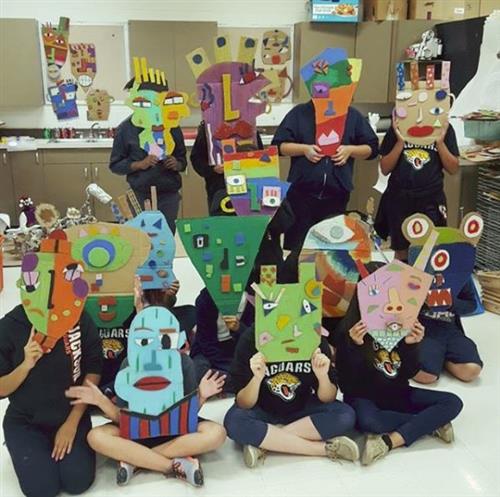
x=21, y=73
x=194, y=194
x=7, y=200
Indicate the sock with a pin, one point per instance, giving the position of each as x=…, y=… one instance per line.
x=387, y=440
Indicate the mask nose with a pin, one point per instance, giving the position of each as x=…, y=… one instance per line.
x=282, y=321
x=394, y=306
x=439, y=280
x=153, y=365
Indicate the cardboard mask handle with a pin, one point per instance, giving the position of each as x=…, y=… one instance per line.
x=425, y=253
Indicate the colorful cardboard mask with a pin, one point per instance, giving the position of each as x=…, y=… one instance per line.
x=275, y=47
x=63, y=99
x=288, y=317
x=174, y=107
x=225, y=93
x=223, y=251
x=53, y=292
x=152, y=384
x=83, y=63
x=422, y=107
x=98, y=105
x=55, y=43
x=279, y=87
x=452, y=260
x=391, y=297
x=334, y=245
x=331, y=80
x=253, y=180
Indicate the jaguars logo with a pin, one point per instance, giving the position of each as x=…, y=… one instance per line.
x=283, y=385
x=417, y=157
x=387, y=362
x=111, y=348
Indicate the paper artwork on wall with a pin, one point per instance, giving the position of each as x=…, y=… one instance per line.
x=276, y=49
x=98, y=105
x=331, y=79
x=152, y=381
x=334, y=245
x=83, y=63
x=223, y=251
x=55, y=44
x=288, y=316
x=63, y=99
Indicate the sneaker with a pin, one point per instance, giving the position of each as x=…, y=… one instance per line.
x=124, y=473
x=445, y=433
x=375, y=449
x=189, y=470
x=253, y=455
x=342, y=448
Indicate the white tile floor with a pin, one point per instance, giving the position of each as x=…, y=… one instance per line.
x=470, y=467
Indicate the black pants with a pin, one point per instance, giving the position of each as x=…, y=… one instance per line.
x=30, y=447
x=168, y=204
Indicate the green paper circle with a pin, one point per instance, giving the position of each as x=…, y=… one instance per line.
x=99, y=257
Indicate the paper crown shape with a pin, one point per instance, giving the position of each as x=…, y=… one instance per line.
x=334, y=245
x=53, y=292
x=422, y=107
x=391, y=297
x=288, y=317
x=152, y=383
x=331, y=79
x=253, y=180
x=225, y=92
x=223, y=251
x=452, y=260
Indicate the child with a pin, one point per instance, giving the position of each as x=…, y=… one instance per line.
x=321, y=185
x=375, y=383
x=416, y=183
x=300, y=395
x=162, y=454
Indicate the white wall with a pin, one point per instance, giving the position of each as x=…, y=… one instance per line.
x=225, y=12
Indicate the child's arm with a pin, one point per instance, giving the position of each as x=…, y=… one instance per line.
x=321, y=364
x=393, y=143
x=409, y=350
x=247, y=397
x=448, y=158
x=211, y=384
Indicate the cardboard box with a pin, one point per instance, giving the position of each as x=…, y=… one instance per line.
x=444, y=10
x=336, y=10
x=385, y=10
x=486, y=7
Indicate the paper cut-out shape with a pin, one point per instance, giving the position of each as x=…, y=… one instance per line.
x=55, y=43
x=275, y=47
x=288, y=317
x=63, y=99
x=224, y=93
x=83, y=63
x=53, y=292
x=156, y=109
x=253, y=181
x=331, y=79
x=334, y=245
x=279, y=87
x=152, y=383
x=98, y=105
x=391, y=297
x=223, y=247
x=452, y=260
x=422, y=107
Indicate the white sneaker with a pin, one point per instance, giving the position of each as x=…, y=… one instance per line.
x=445, y=433
x=375, y=449
x=342, y=448
x=124, y=473
x=253, y=455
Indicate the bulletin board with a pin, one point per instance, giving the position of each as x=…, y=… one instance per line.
x=235, y=33
x=111, y=43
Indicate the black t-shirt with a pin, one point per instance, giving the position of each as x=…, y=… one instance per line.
x=419, y=166
x=286, y=387
x=40, y=398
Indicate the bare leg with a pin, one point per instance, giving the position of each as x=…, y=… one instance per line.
x=281, y=440
x=466, y=372
x=396, y=439
x=303, y=428
x=425, y=378
x=106, y=440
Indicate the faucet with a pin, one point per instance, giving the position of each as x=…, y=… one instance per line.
x=94, y=132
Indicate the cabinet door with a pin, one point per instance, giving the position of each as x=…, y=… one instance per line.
x=194, y=195
x=21, y=74
x=7, y=201
x=111, y=183
x=27, y=176
x=365, y=176
x=65, y=185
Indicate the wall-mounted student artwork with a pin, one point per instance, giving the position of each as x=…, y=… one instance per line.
x=83, y=63
x=331, y=79
x=334, y=245
x=253, y=180
x=223, y=251
x=288, y=317
x=55, y=44
x=98, y=105
x=451, y=262
x=53, y=291
x=225, y=90
x=152, y=381
x=155, y=109
x=63, y=99
x=391, y=297
x=422, y=107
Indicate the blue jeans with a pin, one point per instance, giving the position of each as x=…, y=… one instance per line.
x=249, y=426
x=413, y=414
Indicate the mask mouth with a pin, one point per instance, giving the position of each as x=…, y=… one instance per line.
x=420, y=131
x=439, y=297
x=35, y=310
x=152, y=383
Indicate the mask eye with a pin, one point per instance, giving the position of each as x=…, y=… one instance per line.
x=307, y=307
x=440, y=260
x=72, y=272
x=394, y=327
x=268, y=306
x=141, y=102
x=143, y=342
x=436, y=111
x=31, y=280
